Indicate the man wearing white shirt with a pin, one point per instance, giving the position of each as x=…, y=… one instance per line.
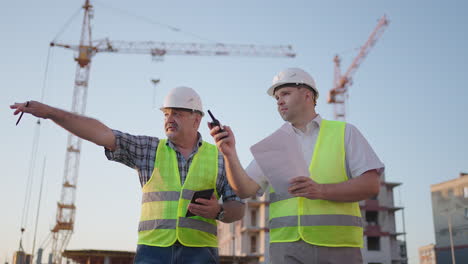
x=319, y=220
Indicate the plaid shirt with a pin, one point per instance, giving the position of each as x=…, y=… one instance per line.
x=139, y=153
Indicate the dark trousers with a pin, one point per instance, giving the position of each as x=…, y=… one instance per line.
x=176, y=254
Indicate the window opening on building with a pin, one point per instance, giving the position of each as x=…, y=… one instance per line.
x=253, y=244
x=373, y=243
x=372, y=217
x=253, y=217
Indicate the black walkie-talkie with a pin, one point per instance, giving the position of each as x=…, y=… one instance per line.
x=215, y=122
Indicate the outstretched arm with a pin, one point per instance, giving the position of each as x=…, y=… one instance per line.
x=240, y=182
x=84, y=127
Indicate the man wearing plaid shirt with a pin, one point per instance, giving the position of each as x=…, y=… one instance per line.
x=171, y=170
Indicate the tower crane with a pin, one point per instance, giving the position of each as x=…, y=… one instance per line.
x=87, y=48
x=339, y=93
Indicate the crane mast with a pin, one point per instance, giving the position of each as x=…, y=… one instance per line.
x=65, y=217
x=87, y=48
x=339, y=93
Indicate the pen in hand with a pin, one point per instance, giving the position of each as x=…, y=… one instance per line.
x=21, y=115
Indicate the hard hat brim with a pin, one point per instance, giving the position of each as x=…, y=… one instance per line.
x=183, y=108
x=271, y=90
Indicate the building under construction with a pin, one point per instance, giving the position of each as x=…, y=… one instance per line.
x=382, y=242
x=249, y=237
x=450, y=212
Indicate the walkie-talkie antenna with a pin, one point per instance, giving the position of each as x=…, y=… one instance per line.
x=215, y=121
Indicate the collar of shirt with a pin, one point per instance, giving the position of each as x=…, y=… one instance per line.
x=310, y=127
x=195, y=150
x=308, y=138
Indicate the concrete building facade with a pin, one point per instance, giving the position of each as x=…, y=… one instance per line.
x=250, y=236
x=381, y=239
x=93, y=256
x=21, y=257
x=427, y=254
x=450, y=213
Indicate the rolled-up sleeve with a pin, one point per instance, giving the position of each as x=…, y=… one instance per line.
x=137, y=152
x=222, y=184
x=360, y=157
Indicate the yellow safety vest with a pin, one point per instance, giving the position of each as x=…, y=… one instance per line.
x=165, y=200
x=319, y=222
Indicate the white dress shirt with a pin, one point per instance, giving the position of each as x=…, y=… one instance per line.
x=360, y=157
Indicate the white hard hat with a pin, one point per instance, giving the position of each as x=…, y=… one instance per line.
x=292, y=76
x=183, y=97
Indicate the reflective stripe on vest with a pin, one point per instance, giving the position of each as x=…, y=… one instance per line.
x=319, y=222
x=183, y=222
x=165, y=201
x=167, y=196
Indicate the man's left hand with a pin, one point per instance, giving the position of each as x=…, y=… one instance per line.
x=305, y=187
x=207, y=208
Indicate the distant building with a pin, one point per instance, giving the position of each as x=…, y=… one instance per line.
x=92, y=256
x=427, y=254
x=381, y=243
x=250, y=236
x=20, y=257
x=450, y=212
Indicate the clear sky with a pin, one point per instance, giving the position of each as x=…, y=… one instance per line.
x=408, y=97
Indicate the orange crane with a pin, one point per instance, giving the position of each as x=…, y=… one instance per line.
x=339, y=93
x=86, y=49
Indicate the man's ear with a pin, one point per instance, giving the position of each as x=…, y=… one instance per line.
x=197, y=120
x=310, y=95
x=314, y=98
